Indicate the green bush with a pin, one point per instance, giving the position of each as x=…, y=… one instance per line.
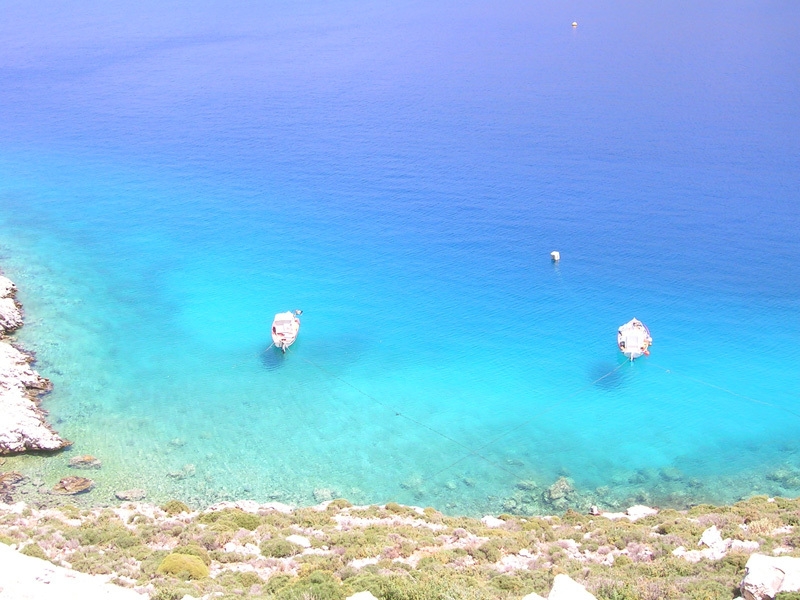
x=91, y=561
x=184, y=566
x=70, y=511
x=243, y=580
x=708, y=590
x=246, y=520
x=168, y=594
x=194, y=550
x=278, y=548
x=486, y=552
x=309, y=517
x=175, y=507
x=276, y=583
x=507, y=583
x=617, y=591
x=34, y=550
x=319, y=585
x=231, y=520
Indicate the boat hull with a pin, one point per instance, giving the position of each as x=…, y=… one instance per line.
x=634, y=339
x=285, y=328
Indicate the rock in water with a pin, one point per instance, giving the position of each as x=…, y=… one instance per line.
x=560, y=489
x=72, y=485
x=131, y=495
x=7, y=482
x=323, y=495
x=10, y=478
x=87, y=461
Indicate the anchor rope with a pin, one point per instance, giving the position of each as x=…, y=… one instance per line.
x=411, y=419
x=478, y=452
x=551, y=408
x=726, y=390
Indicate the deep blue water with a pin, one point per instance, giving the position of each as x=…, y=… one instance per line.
x=171, y=177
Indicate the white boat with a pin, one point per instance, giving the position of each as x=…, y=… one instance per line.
x=285, y=327
x=634, y=339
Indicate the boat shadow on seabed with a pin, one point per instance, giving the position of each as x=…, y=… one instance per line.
x=606, y=376
x=273, y=358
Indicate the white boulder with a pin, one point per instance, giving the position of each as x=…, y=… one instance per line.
x=362, y=596
x=10, y=315
x=565, y=588
x=7, y=287
x=639, y=512
x=25, y=577
x=766, y=576
x=299, y=540
x=491, y=521
x=711, y=537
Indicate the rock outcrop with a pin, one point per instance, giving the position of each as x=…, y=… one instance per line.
x=69, y=486
x=715, y=547
x=23, y=424
x=133, y=495
x=766, y=576
x=10, y=310
x=27, y=577
x=564, y=588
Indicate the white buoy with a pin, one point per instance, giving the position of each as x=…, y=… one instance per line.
x=574, y=23
x=555, y=255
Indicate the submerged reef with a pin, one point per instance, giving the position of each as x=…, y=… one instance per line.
x=23, y=424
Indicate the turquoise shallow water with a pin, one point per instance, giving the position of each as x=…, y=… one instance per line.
x=168, y=183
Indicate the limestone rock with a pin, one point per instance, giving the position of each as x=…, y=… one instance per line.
x=7, y=287
x=747, y=546
x=72, y=485
x=87, y=461
x=491, y=521
x=133, y=495
x=10, y=315
x=7, y=482
x=766, y=576
x=639, y=512
x=23, y=425
x=25, y=577
x=565, y=588
x=323, y=494
x=10, y=311
x=559, y=490
x=10, y=478
x=711, y=537
x=362, y=596
x=299, y=540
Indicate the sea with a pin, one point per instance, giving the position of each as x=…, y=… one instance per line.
x=174, y=174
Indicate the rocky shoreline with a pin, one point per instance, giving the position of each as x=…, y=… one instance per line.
x=23, y=423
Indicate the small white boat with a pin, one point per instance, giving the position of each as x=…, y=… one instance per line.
x=634, y=339
x=285, y=327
